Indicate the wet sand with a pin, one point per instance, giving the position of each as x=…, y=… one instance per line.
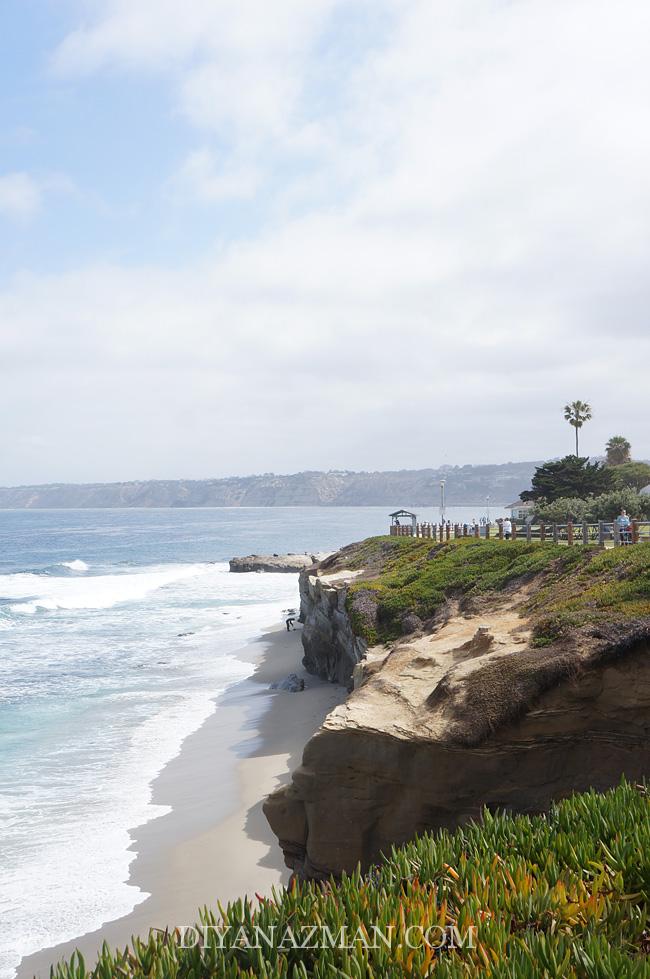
x=215, y=844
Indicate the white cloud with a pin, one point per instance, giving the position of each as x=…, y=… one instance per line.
x=20, y=195
x=204, y=178
x=458, y=245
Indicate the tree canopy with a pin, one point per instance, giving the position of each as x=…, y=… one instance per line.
x=634, y=474
x=573, y=476
x=618, y=450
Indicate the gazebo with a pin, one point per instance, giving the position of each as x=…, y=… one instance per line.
x=400, y=517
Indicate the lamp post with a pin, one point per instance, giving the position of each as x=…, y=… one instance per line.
x=487, y=501
x=442, y=501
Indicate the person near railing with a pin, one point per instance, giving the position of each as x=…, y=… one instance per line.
x=506, y=523
x=624, y=527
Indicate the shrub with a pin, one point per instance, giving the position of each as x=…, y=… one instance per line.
x=566, y=508
x=609, y=505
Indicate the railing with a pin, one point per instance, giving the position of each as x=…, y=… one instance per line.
x=601, y=534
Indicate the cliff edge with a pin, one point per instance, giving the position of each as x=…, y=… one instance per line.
x=494, y=673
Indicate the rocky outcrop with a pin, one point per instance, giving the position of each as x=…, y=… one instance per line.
x=446, y=723
x=284, y=563
x=331, y=648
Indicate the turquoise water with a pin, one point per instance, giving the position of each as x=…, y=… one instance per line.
x=118, y=629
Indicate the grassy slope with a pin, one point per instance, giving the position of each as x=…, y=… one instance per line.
x=579, y=584
x=562, y=895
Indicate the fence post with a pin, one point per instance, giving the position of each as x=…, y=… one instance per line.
x=529, y=533
x=585, y=532
x=487, y=531
x=501, y=530
x=542, y=533
x=617, y=533
x=476, y=531
x=601, y=533
x=556, y=535
x=514, y=530
x=569, y=532
x=635, y=531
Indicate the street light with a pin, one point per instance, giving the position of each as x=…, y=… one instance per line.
x=442, y=501
x=487, y=500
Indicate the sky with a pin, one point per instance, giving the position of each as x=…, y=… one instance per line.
x=239, y=236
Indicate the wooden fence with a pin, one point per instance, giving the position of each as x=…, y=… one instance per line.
x=603, y=533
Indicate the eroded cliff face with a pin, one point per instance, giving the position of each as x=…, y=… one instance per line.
x=331, y=649
x=445, y=723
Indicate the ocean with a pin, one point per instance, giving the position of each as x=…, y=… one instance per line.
x=118, y=630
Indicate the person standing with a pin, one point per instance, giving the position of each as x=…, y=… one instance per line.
x=624, y=524
x=507, y=528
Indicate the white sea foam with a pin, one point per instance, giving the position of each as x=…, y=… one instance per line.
x=76, y=565
x=91, y=592
x=117, y=691
x=73, y=877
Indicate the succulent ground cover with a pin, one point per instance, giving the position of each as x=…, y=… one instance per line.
x=573, y=586
x=564, y=895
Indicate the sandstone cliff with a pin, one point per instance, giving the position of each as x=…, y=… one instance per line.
x=468, y=711
x=331, y=648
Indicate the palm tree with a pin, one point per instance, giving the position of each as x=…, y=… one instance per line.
x=618, y=450
x=577, y=413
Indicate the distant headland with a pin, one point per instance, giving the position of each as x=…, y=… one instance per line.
x=467, y=485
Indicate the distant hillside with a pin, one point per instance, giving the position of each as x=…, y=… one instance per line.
x=466, y=486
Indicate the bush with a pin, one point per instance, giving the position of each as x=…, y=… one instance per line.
x=609, y=505
x=566, y=508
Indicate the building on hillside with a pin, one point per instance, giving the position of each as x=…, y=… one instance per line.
x=520, y=510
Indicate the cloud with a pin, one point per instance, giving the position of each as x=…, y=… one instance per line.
x=454, y=244
x=201, y=178
x=21, y=194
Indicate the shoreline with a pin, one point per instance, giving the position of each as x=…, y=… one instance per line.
x=215, y=844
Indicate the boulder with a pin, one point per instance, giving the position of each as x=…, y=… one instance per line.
x=292, y=683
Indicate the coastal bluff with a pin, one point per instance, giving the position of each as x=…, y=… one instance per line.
x=483, y=674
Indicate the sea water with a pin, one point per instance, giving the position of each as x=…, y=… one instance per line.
x=118, y=630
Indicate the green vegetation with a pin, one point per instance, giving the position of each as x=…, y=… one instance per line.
x=635, y=475
x=415, y=575
x=577, y=585
x=604, y=586
x=617, y=451
x=559, y=896
x=606, y=506
x=571, y=476
x=574, y=488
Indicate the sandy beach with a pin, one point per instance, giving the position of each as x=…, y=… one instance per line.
x=215, y=843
